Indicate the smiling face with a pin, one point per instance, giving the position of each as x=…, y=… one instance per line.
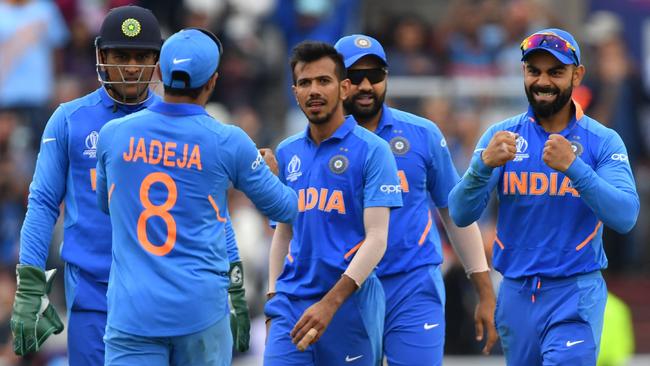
x=549, y=83
x=366, y=98
x=318, y=90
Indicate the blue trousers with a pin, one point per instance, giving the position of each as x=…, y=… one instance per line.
x=86, y=318
x=548, y=321
x=414, y=331
x=353, y=337
x=209, y=347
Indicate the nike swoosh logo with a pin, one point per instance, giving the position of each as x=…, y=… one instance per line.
x=350, y=359
x=571, y=344
x=428, y=326
x=45, y=141
x=180, y=60
x=477, y=150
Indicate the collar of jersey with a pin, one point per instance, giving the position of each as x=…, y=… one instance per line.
x=110, y=103
x=574, y=119
x=177, y=109
x=348, y=125
x=386, y=119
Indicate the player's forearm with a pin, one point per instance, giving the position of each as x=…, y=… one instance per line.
x=615, y=207
x=279, y=251
x=467, y=242
x=470, y=196
x=374, y=246
x=36, y=234
x=231, y=242
x=277, y=201
x=343, y=288
x=483, y=285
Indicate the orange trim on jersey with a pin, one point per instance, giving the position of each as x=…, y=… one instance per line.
x=423, y=237
x=110, y=192
x=499, y=243
x=354, y=250
x=216, y=209
x=591, y=236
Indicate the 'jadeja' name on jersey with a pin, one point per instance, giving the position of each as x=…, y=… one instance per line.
x=536, y=184
x=165, y=153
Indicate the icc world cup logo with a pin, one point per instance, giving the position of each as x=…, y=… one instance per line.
x=91, y=145
x=522, y=144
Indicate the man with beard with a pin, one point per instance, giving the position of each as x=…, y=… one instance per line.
x=560, y=176
x=321, y=279
x=414, y=329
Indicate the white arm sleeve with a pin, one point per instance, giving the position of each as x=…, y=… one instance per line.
x=467, y=243
x=279, y=250
x=375, y=220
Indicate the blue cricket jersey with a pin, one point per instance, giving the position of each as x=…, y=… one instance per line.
x=335, y=181
x=549, y=223
x=162, y=174
x=65, y=172
x=426, y=173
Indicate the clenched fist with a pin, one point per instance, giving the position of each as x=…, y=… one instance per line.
x=558, y=153
x=501, y=149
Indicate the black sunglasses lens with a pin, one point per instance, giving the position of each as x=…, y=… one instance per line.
x=373, y=75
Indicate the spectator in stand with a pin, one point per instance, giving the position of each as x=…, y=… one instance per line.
x=30, y=33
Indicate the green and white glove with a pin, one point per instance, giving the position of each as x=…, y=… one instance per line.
x=33, y=318
x=240, y=322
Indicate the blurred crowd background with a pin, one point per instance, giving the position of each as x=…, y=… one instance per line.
x=455, y=62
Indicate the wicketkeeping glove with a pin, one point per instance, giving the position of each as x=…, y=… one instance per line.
x=240, y=322
x=33, y=318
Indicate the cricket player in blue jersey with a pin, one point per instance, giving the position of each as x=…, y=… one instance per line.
x=560, y=177
x=414, y=329
x=162, y=175
x=326, y=304
x=127, y=50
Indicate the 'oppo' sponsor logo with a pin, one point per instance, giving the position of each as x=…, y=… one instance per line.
x=391, y=188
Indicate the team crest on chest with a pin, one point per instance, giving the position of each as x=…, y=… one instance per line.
x=293, y=169
x=91, y=145
x=577, y=147
x=339, y=164
x=399, y=145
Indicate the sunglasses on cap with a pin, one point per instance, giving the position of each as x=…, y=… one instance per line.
x=374, y=76
x=550, y=41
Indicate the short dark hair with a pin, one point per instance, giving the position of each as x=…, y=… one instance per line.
x=177, y=92
x=184, y=92
x=310, y=51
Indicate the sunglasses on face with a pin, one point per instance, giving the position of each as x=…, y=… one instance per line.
x=374, y=76
x=550, y=41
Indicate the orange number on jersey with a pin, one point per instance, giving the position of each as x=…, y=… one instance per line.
x=161, y=211
x=402, y=181
x=93, y=179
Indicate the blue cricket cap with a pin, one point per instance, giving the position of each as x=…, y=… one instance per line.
x=188, y=59
x=558, y=42
x=356, y=46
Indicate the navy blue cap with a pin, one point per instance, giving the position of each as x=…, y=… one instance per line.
x=192, y=52
x=356, y=46
x=566, y=57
